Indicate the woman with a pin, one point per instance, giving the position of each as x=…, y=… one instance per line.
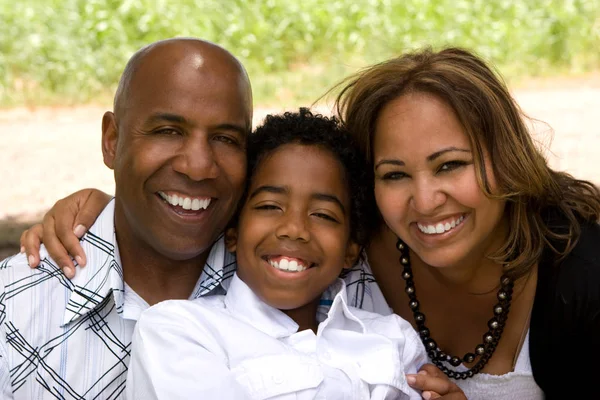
x=490, y=253
x=498, y=253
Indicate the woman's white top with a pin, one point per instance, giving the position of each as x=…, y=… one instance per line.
x=516, y=385
x=237, y=347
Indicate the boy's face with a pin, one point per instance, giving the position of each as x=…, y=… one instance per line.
x=293, y=235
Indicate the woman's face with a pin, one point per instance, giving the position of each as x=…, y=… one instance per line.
x=426, y=185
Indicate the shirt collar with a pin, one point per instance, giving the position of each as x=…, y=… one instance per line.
x=340, y=314
x=103, y=273
x=248, y=307
x=217, y=272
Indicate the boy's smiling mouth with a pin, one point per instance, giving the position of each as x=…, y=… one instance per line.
x=288, y=264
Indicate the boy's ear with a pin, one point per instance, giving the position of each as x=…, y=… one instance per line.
x=231, y=239
x=352, y=253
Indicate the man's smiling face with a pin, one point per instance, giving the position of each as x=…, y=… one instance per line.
x=177, y=146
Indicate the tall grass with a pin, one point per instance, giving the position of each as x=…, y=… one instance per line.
x=71, y=51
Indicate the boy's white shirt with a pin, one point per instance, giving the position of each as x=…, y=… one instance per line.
x=237, y=347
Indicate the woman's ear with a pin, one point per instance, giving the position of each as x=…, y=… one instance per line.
x=352, y=252
x=231, y=239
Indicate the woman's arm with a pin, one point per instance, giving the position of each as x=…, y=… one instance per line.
x=62, y=227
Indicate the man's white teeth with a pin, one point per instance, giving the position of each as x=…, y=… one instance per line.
x=187, y=203
x=440, y=228
x=288, y=265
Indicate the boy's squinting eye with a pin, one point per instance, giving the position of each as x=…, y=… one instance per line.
x=267, y=207
x=326, y=217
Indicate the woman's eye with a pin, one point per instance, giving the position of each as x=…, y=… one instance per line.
x=394, y=176
x=451, y=165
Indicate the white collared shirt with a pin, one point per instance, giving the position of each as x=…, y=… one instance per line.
x=71, y=339
x=237, y=347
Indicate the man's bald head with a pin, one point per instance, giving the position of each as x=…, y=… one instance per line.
x=182, y=115
x=204, y=56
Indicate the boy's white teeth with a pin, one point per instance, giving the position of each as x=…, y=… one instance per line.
x=440, y=228
x=187, y=203
x=288, y=265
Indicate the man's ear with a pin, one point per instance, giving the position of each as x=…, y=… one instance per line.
x=109, y=139
x=231, y=239
x=352, y=252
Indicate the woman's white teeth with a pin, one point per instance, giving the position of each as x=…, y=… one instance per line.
x=187, y=203
x=440, y=228
x=288, y=265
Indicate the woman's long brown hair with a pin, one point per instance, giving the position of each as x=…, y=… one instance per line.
x=493, y=122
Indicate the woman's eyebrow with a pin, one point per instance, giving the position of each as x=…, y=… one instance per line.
x=399, y=163
x=437, y=154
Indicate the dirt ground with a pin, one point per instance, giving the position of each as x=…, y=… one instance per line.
x=50, y=152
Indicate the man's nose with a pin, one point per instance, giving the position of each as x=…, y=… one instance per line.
x=196, y=159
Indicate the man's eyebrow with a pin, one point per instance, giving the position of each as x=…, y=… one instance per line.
x=178, y=119
x=159, y=117
x=242, y=130
x=330, y=198
x=437, y=154
x=268, y=189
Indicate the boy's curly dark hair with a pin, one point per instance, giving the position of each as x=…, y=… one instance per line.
x=310, y=129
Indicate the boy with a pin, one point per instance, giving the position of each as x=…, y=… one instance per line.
x=303, y=220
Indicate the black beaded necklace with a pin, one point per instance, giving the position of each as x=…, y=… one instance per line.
x=483, y=351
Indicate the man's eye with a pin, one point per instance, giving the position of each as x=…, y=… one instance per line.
x=226, y=139
x=166, y=131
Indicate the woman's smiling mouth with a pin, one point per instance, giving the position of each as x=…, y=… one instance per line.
x=441, y=227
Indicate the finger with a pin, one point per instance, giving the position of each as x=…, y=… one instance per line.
x=425, y=382
x=84, y=206
x=452, y=396
x=432, y=370
x=56, y=249
x=31, y=242
x=428, y=395
x=65, y=215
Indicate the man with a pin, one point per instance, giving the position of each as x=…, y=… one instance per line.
x=176, y=143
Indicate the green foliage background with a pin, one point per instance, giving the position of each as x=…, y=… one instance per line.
x=72, y=51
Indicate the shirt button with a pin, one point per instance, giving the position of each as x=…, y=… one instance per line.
x=278, y=379
x=327, y=355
